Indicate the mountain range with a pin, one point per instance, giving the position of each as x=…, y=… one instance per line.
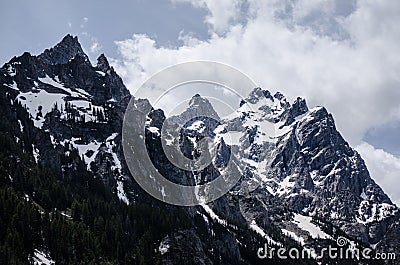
x=68, y=197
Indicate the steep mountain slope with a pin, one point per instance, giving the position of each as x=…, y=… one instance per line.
x=302, y=178
x=60, y=174
x=64, y=177
x=76, y=103
x=310, y=167
x=63, y=170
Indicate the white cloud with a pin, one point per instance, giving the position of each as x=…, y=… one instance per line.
x=92, y=42
x=355, y=77
x=84, y=22
x=221, y=13
x=384, y=168
x=95, y=47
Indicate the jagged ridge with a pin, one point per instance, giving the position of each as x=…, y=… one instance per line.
x=300, y=172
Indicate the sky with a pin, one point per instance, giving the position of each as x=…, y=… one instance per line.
x=36, y=25
x=341, y=54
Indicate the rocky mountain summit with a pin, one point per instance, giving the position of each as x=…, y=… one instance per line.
x=67, y=49
x=300, y=172
x=302, y=185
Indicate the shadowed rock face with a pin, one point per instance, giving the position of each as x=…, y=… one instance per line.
x=304, y=165
x=80, y=104
x=64, y=51
x=310, y=168
x=297, y=165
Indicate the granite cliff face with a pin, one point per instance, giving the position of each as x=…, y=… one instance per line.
x=303, y=185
